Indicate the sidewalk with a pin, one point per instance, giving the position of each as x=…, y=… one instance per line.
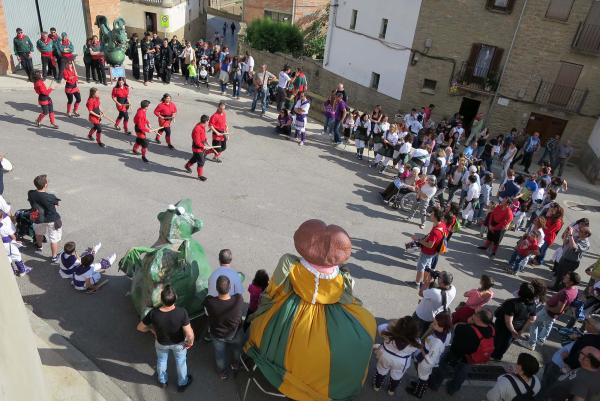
x=70, y=375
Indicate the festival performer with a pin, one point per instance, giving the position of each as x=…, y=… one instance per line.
x=45, y=46
x=120, y=95
x=44, y=99
x=71, y=89
x=65, y=49
x=301, y=108
x=87, y=275
x=165, y=111
x=142, y=127
x=93, y=106
x=218, y=125
x=9, y=240
x=199, y=143
x=310, y=336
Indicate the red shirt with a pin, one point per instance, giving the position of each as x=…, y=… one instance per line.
x=164, y=109
x=121, y=94
x=93, y=104
x=436, y=235
x=43, y=92
x=551, y=230
x=141, y=123
x=500, y=218
x=71, y=78
x=198, y=138
x=527, y=246
x=566, y=295
x=219, y=122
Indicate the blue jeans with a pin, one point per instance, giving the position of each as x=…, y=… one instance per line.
x=223, y=86
x=337, y=128
x=222, y=345
x=543, y=250
x=264, y=94
x=515, y=262
x=424, y=262
x=162, y=357
x=541, y=328
x=328, y=126
x=236, y=87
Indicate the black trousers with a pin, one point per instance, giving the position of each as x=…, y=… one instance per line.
x=48, y=68
x=222, y=144
x=166, y=75
x=135, y=69
x=502, y=338
x=123, y=115
x=98, y=67
x=148, y=72
x=527, y=156
x=75, y=95
x=27, y=64
x=62, y=64
x=199, y=158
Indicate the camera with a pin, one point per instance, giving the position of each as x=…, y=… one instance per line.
x=433, y=273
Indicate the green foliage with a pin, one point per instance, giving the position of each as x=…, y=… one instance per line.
x=266, y=34
x=316, y=34
x=315, y=47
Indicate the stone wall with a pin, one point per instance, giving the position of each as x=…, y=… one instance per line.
x=6, y=63
x=109, y=8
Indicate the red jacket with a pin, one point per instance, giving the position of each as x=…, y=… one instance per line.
x=551, y=230
x=122, y=95
x=500, y=218
x=71, y=78
x=165, y=110
x=141, y=123
x=43, y=92
x=93, y=104
x=198, y=138
x=219, y=122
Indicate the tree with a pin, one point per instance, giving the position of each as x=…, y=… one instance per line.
x=266, y=34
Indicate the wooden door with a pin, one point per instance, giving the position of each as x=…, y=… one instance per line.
x=547, y=126
x=564, y=84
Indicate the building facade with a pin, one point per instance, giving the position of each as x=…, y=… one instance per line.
x=182, y=18
x=369, y=42
x=294, y=11
x=76, y=17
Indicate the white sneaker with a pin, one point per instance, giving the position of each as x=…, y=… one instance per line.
x=111, y=259
x=96, y=248
x=525, y=344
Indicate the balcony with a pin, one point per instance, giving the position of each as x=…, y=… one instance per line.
x=158, y=3
x=587, y=38
x=478, y=79
x=563, y=97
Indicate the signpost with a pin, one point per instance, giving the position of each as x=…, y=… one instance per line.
x=164, y=23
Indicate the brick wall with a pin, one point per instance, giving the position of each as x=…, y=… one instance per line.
x=255, y=9
x=5, y=48
x=109, y=8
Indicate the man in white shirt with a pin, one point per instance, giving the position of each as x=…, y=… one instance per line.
x=284, y=80
x=261, y=81
x=226, y=270
x=410, y=117
x=457, y=133
x=424, y=196
x=471, y=199
x=522, y=381
x=435, y=300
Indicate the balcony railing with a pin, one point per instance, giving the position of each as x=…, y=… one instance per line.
x=564, y=97
x=587, y=38
x=477, y=78
x=158, y=3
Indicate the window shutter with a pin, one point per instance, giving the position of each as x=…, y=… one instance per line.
x=495, y=64
x=510, y=6
x=472, y=61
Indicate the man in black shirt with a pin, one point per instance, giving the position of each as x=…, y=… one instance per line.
x=465, y=342
x=48, y=223
x=171, y=328
x=225, y=319
x=167, y=57
x=147, y=48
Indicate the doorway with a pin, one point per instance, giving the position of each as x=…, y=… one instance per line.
x=151, y=25
x=547, y=126
x=468, y=109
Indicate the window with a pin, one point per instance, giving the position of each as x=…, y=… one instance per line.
x=559, y=9
x=353, y=19
x=484, y=60
x=383, y=29
x=375, y=80
x=151, y=22
x=500, y=5
x=564, y=84
x=277, y=16
x=429, y=85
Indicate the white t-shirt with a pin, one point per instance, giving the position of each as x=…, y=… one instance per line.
x=431, y=304
x=7, y=228
x=250, y=62
x=284, y=80
x=504, y=391
x=415, y=126
x=473, y=192
x=405, y=148
x=234, y=280
x=428, y=190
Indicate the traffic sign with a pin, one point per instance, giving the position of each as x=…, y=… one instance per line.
x=164, y=21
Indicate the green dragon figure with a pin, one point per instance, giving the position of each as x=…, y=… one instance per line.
x=176, y=259
x=114, y=42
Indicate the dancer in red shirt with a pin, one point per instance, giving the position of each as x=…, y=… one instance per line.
x=93, y=106
x=218, y=126
x=142, y=127
x=71, y=89
x=165, y=111
x=120, y=95
x=199, y=143
x=44, y=99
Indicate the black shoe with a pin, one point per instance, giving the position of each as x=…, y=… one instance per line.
x=202, y=178
x=157, y=141
x=90, y=138
x=171, y=146
x=189, y=170
x=181, y=389
x=162, y=385
x=101, y=144
x=483, y=248
x=144, y=159
x=128, y=133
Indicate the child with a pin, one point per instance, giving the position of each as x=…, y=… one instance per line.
x=527, y=245
x=69, y=260
x=362, y=131
x=394, y=356
x=477, y=298
x=93, y=106
x=9, y=240
x=431, y=353
x=142, y=127
x=44, y=100
x=193, y=75
x=258, y=286
x=87, y=275
x=284, y=123
x=348, y=123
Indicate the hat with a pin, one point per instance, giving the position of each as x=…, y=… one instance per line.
x=321, y=244
x=473, y=169
x=416, y=169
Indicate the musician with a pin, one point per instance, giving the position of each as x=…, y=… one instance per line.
x=94, y=108
x=142, y=127
x=218, y=126
x=165, y=111
x=120, y=95
x=199, y=143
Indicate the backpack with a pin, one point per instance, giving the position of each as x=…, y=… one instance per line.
x=485, y=349
x=443, y=247
x=528, y=395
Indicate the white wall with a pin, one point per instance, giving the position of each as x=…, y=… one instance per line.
x=356, y=56
x=135, y=14
x=594, y=139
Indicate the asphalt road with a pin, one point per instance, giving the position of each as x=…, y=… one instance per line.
x=251, y=203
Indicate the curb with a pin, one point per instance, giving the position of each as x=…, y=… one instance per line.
x=97, y=380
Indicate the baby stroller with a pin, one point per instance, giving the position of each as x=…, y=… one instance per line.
x=24, y=224
x=203, y=76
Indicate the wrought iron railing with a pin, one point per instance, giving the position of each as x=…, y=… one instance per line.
x=565, y=97
x=587, y=38
x=477, y=77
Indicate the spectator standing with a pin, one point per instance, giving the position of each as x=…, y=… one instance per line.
x=340, y=114
x=97, y=54
x=563, y=153
x=553, y=224
x=225, y=269
x=167, y=58
x=532, y=144
x=329, y=114
x=497, y=223
x=575, y=243
x=424, y=196
x=147, y=49
x=176, y=47
x=232, y=26
x=49, y=223
x=262, y=80
x=45, y=46
x=512, y=318
x=507, y=159
x=23, y=49
x=435, y=300
x=340, y=89
x=67, y=54
x=430, y=245
x=282, y=84
x=519, y=383
x=549, y=149
x=134, y=56
x=225, y=322
x=581, y=384
x=172, y=331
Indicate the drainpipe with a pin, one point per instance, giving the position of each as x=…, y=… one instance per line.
x=488, y=117
x=293, y=12
x=332, y=25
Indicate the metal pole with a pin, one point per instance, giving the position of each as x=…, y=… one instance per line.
x=293, y=12
x=488, y=117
